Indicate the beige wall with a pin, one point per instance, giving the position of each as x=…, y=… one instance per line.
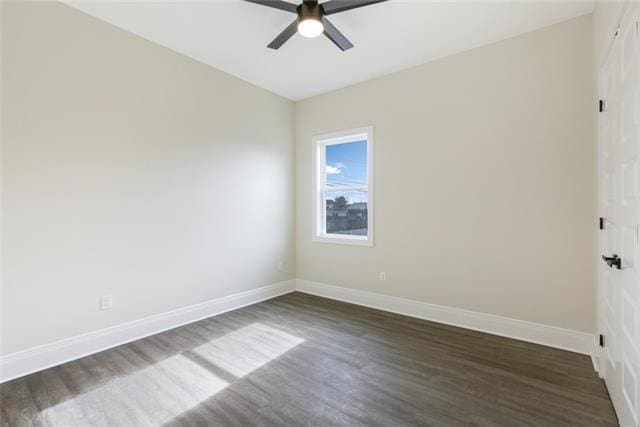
x=483, y=173
x=128, y=169
x=131, y=170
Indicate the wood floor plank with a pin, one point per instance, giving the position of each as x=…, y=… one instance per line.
x=20, y=407
x=304, y=360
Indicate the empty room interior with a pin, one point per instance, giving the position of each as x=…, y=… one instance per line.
x=320, y=213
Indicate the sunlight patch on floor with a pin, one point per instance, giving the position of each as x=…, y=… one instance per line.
x=170, y=387
x=245, y=350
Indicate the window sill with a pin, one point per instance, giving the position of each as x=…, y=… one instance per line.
x=347, y=240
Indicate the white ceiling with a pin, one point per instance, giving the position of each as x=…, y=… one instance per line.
x=232, y=35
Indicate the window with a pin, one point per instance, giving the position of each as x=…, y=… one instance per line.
x=343, y=187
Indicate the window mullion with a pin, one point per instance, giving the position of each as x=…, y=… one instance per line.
x=349, y=188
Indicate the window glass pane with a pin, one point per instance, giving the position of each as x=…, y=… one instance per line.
x=346, y=212
x=346, y=164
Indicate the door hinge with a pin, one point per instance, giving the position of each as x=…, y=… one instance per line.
x=601, y=105
x=601, y=340
x=601, y=223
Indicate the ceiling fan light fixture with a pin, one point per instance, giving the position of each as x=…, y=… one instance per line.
x=310, y=27
x=311, y=20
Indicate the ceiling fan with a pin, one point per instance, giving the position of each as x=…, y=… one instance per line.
x=312, y=21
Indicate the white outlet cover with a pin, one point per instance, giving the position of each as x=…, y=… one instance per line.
x=383, y=276
x=106, y=302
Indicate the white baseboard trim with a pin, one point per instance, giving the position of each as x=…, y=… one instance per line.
x=35, y=359
x=595, y=359
x=24, y=362
x=552, y=336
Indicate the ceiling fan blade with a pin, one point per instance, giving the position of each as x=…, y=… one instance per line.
x=277, y=4
x=336, y=36
x=336, y=6
x=284, y=35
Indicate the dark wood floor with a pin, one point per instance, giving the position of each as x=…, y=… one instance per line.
x=302, y=360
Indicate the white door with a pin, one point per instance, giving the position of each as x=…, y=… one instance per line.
x=619, y=142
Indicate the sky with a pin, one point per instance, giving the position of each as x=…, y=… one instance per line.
x=347, y=166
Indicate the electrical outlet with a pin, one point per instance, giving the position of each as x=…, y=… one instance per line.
x=279, y=265
x=383, y=276
x=106, y=302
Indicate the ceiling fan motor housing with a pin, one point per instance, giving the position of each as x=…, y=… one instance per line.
x=310, y=10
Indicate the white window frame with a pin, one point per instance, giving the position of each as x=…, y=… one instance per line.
x=320, y=142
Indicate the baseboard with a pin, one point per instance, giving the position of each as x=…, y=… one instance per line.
x=21, y=363
x=24, y=362
x=566, y=339
x=596, y=361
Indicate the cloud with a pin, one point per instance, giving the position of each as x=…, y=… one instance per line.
x=335, y=169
